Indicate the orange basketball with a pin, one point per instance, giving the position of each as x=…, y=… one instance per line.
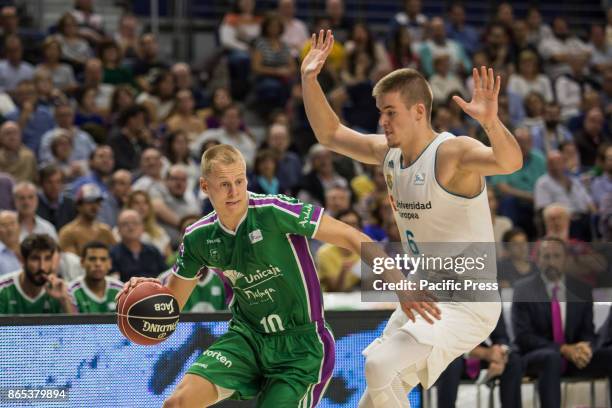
x=148, y=314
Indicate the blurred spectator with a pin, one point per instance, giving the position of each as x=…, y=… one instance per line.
x=264, y=179
x=26, y=203
x=53, y=205
x=183, y=117
x=600, y=51
x=61, y=147
x=339, y=22
x=153, y=234
x=591, y=136
x=516, y=190
x=552, y=315
x=83, y=144
x=88, y=114
x=602, y=185
x=74, y=235
x=379, y=210
x=553, y=133
x=529, y=79
x=515, y=263
x=412, y=18
x=95, y=291
x=6, y=191
x=289, y=165
x=126, y=37
x=337, y=56
x=572, y=158
x=537, y=29
x=132, y=139
x=520, y=42
x=501, y=224
x=13, y=69
x=460, y=63
x=560, y=49
x=118, y=190
x=401, y=50
x=505, y=14
x=91, y=25
x=571, y=86
x=498, y=45
x=148, y=62
x=445, y=82
x=150, y=173
x=114, y=72
x=10, y=254
x=458, y=30
x=62, y=74
x=10, y=24
x=176, y=151
x=101, y=163
x=273, y=66
x=339, y=269
x=33, y=118
x=175, y=202
x=123, y=98
x=159, y=100
x=320, y=176
x=362, y=41
x=237, y=32
x=557, y=187
x=534, y=111
x=229, y=133
x=221, y=99
x=36, y=289
x=48, y=94
x=184, y=80
x=606, y=94
x=131, y=257
x=295, y=32
x=75, y=50
x=15, y=158
x=93, y=76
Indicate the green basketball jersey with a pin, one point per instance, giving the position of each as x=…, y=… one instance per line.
x=207, y=296
x=13, y=299
x=89, y=302
x=265, y=264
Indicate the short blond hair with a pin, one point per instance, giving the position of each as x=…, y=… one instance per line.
x=411, y=85
x=224, y=154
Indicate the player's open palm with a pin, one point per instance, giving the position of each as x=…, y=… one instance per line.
x=320, y=47
x=483, y=106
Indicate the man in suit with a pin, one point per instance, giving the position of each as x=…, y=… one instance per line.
x=552, y=316
x=496, y=356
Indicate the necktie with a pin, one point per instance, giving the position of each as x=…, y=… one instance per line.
x=557, y=323
x=472, y=367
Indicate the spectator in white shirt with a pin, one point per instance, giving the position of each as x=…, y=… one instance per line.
x=559, y=49
x=295, y=33
x=529, y=79
x=26, y=203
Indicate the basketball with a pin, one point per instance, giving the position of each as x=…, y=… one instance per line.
x=148, y=314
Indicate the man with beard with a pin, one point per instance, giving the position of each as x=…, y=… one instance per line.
x=95, y=292
x=552, y=315
x=35, y=289
x=553, y=133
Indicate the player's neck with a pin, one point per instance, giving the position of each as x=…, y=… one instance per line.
x=28, y=287
x=97, y=286
x=232, y=221
x=412, y=147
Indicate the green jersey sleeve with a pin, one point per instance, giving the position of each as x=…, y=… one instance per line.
x=189, y=260
x=291, y=215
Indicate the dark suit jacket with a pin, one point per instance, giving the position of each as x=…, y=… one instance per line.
x=532, y=317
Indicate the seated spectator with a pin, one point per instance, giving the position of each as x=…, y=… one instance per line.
x=569, y=151
x=159, y=99
x=88, y=114
x=553, y=133
x=148, y=61
x=119, y=188
x=514, y=264
x=91, y=24
x=92, y=78
x=444, y=82
x=537, y=30
x=153, y=234
x=13, y=69
x=273, y=66
x=534, y=109
x=337, y=200
x=131, y=257
x=126, y=37
x=36, y=289
x=183, y=117
x=10, y=253
x=48, y=94
x=529, y=79
x=602, y=185
x=320, y=176
x=460, y=63
x=378, y=208
x=95, y=291
x=26, y=204
x=82, y=142
x=401, y=50
x=496, y=356
x=263, y=179
x=498, y=46
x=184, y=80
x=75, y=50
x=10, y=25
x=34, y=118
x=295, y=32
x=570, y=86
x=221, y=100
x=6, y=191
x=289, y=165
x=600, y=51
x=101, y=163
x=591, y=136
x=150, y=174
x=74, y=235
x=339, y=22
x=555, y=340
x=53, y=205
x=176, y=151
x=123, y=97
x=339, y=269
x=60, y=150
x=132, y=138
x=114, y=72
x=501, y=224
x=363, y=41
x=559, y=49
x=229, y=133
x=557, y=187
x=521, y=43
x=410, y=17
x=516, y=190
x=457, y=29
x=15, y=158
x=62, y=74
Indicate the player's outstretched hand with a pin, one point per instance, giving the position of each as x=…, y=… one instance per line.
x=320, y=47
x=483, y=106
x=421, y=302
x=132, y=283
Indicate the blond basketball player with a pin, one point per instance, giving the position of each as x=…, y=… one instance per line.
x=446, y=174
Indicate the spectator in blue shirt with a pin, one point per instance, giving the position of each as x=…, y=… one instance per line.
x=458, y=30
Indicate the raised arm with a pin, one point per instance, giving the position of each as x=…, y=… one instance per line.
x=325, y=124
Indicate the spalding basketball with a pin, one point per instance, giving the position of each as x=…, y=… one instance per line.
x=148, y=314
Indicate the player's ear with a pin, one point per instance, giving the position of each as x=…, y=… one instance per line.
x=203, y=185
x=420, y=110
